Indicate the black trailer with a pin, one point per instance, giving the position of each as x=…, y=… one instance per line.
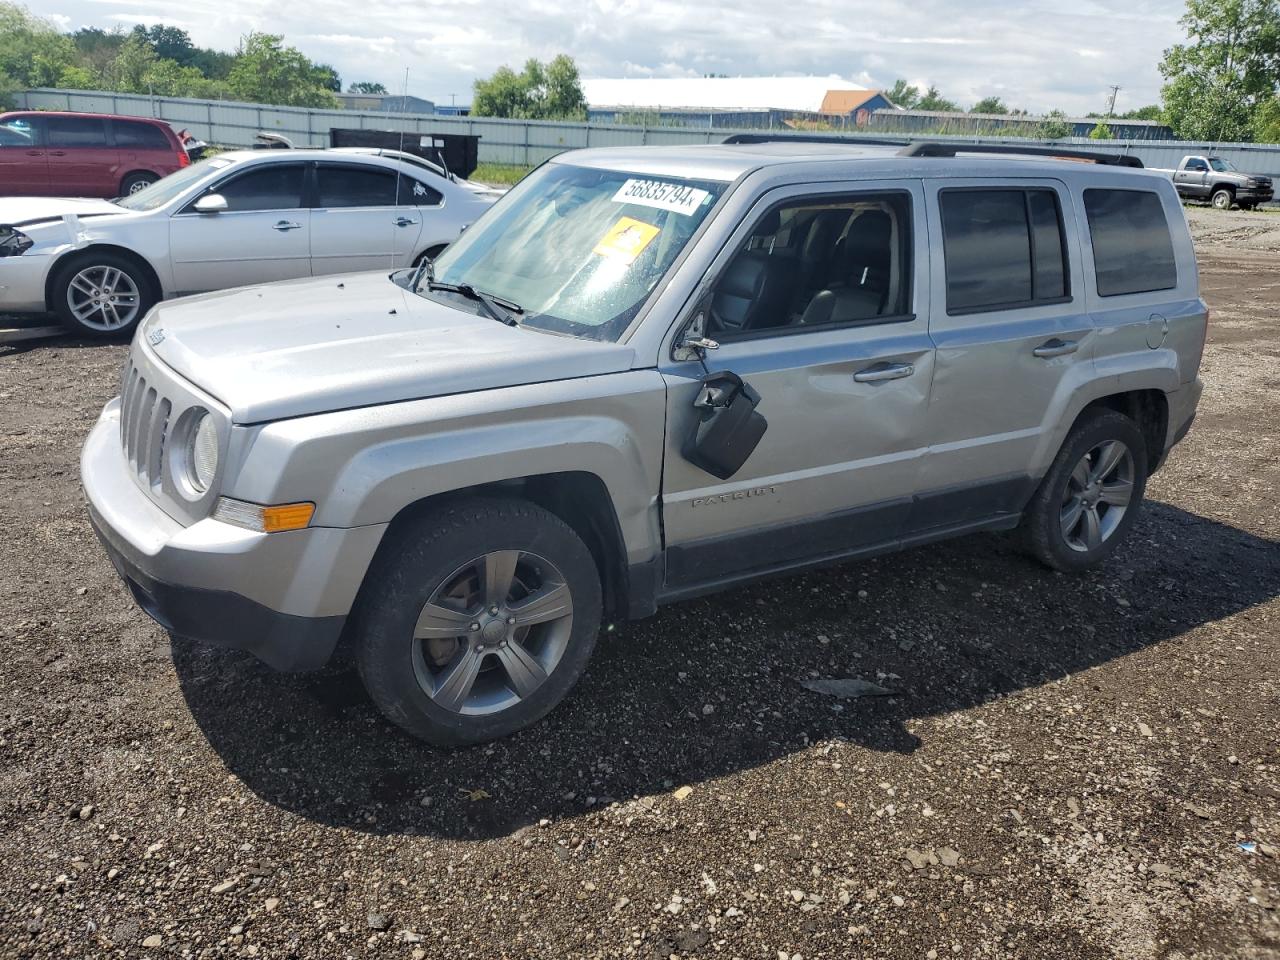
x=458, y=152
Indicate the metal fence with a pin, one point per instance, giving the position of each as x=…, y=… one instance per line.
x=524, y=142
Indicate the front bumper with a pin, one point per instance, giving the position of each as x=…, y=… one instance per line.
x=284, y=597
x=22, y=283
x=1254, y=195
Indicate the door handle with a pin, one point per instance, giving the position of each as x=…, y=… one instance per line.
x=1056, y=348
x=57, y=153
x=35, y=153
x=286, y=225
x=404, y=222
x=884, y=371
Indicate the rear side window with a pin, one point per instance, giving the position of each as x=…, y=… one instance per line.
x=271, y=187
x=140, y=136
x=354, y=187
x=1003, y=249
x=1132, y=249
x=75, y=132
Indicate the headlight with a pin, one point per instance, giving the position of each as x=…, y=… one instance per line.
x=13, y=242
x=195, y=463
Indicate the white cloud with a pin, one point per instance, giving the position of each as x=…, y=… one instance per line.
x=1024, y=53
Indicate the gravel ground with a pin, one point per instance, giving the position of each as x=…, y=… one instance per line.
x=1070, y=766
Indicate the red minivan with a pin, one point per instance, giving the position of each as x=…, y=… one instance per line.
x=48, y=154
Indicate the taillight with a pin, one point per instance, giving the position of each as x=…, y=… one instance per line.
x=184, y=159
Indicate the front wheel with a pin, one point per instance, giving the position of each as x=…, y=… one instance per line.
x=1091, y=495
x=477, y=620
x=1222, y=199
x=101, y=295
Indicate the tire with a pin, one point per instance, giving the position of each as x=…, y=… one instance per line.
x=136, y=181
x=445, y=681
x=430, y=254
x=1058, y=524
x=1222, y=199
x=82, y=288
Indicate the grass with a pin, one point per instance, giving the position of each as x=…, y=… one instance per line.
x=499, y=174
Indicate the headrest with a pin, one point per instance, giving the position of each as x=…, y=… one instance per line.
x=868, y=237
x=768, y=224
x=745, y=275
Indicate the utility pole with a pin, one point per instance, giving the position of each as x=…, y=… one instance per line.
x=1111, y=101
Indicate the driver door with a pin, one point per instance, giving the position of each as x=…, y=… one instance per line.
x=820, y=303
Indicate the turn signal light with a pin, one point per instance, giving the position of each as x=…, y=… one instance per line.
x=274, y=519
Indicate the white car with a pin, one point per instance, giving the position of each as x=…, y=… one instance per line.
x=237, y=218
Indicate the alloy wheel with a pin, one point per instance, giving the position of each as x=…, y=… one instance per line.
x=103, y=298
x=491, y=634
x=1099, y=491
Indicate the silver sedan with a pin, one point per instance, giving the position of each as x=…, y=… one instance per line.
x=237, y=218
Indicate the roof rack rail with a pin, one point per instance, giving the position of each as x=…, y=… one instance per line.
x=929, y=148
x=813, y=138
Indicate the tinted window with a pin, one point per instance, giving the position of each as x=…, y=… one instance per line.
x=1132, y=249
x=140, y=136
x=75, y=132
x=354, y=187
x=1003, y=248
x=417, y=193
x=18, y=132
x=272, y=187
x=1197, y=166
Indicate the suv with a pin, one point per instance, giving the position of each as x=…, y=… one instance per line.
x=47, y=154
x=643, y=375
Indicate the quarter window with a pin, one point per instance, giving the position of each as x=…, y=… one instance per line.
x=1003, y=249
x=1132, y=249
x=272, y=187
x=139, y=136
x=76, y=132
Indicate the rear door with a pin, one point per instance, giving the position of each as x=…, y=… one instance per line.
x=143, y=147
x=24, y=163
x=365, y=218
x=82, y=161
x=263, y=235
x=1014, y=338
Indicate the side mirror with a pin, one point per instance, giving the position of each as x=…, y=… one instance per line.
x=693, y=341
x=211, y=203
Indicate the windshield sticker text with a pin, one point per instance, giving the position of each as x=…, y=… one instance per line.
x=626, y=240
x=677, y=197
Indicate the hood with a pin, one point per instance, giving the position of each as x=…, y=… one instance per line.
x=333, y=343
x=24, y=211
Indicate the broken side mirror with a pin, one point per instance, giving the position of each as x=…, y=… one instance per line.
x=693, y=342
x=728, y=428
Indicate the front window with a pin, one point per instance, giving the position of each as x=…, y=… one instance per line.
x=167, y=188
x=1222, y=166
x=18, y=132
x=579, y=249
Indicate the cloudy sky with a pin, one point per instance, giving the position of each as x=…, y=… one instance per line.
x=1036, y=55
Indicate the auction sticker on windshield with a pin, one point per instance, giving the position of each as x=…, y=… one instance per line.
x=626, y=240
x=677, y=197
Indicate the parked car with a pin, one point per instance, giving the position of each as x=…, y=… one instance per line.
x=48, y=154
x=234, y=219
x=647, y=374
x=417, y=161
x=1218, y=181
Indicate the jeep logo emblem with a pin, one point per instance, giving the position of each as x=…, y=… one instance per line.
x=156, y=336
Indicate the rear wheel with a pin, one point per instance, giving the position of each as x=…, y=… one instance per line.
x=477, y=621
x=102, y=294
x=1222, y=199
x=1091, y=495
x=136, y=181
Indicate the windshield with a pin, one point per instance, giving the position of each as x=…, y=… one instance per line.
x=1222, y=166
x=579, y=249
x=166, y=188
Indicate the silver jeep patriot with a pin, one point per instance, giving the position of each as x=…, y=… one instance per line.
x=647, y=374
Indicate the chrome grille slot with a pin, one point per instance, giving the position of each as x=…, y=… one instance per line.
x=156, y=437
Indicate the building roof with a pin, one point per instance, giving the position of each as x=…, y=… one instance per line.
x=717, y=93
x=847, y=101
x=1016, y=117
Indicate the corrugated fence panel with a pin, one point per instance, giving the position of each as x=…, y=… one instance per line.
x=519, y=141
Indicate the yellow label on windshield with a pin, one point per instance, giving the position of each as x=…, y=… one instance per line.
x=626, y=240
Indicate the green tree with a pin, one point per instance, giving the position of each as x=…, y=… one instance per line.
x=933, y=100
x=1101, y=131
x=266, y=71
x=1266, y=121
x=76, y=77
x=169, y=43
x=990, y=105
x=539, y=92
x=1054, y=126
x=1150, y=112
x=327, y=77
x=366, y=86
x=32, y=52
x=903, y=95
x=1229, y=67
x=127, y=73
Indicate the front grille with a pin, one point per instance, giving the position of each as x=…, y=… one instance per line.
x=144, y=426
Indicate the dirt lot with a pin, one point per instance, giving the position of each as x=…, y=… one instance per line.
x=1072, y=766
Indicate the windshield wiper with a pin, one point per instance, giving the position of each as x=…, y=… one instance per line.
x=501, y=310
